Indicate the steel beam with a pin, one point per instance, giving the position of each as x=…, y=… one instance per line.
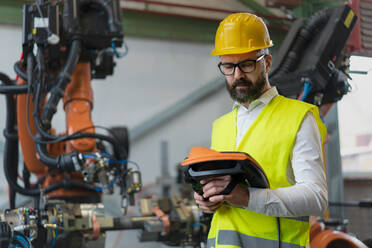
x=333, y=161
x=174, y=110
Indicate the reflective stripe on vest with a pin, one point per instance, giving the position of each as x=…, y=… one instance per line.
x=228, y=237
x=211, y=242
x=269, y=141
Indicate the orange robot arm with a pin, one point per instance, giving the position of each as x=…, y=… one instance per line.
x=78, y=103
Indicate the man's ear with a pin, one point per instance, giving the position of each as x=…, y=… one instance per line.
x=268, y=62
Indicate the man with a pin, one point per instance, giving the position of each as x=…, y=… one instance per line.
x=284, y=136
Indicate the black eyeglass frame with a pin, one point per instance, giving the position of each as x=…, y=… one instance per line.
x=238, y=65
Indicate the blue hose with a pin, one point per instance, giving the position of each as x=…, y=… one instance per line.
x=22, y=240
x=117, y=54
x=307, y=90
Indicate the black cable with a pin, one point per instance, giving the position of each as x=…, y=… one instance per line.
x=8, y=86
x=50, y=138
x=278, y=225
x=36, y=192
x=66, y=162
x=5, y=79
x=64, y=78
x=30, y=65
x=13, y=89
x=39, y=181
x=11, y=143
x=63, y=162
x=101, y=127
x=11, y=152
x=305, y=35
x=19, y=71
x=67, y=184
x=113, y=141
x=13, y=183
x=26, y=176
x=37, y=99
x=77, y=135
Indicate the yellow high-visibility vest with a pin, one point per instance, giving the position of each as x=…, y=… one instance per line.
x=269, y=140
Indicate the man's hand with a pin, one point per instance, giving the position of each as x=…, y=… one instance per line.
x=238, y=197
x=206, y=206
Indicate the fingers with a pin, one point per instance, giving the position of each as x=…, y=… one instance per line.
x=223, y=178
x=217, y=198
x=213, y=186
x=213, y=190
x=206, y=206
x=198, y=197
x=239, y=197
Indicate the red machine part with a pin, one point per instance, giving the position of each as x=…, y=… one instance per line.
x=322, y=237
x=360, y=40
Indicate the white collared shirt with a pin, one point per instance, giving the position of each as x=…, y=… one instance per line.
x=308, y=194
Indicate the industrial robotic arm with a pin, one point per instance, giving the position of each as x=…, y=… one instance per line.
x=65, y=44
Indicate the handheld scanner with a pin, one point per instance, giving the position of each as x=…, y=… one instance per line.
x=203, y=163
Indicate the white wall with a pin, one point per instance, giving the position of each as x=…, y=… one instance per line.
x=355, y=113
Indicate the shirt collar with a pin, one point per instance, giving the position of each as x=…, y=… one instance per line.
x=265, y=98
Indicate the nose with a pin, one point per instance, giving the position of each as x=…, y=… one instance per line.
x=238, y=74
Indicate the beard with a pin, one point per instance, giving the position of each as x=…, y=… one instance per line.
x=251, y=92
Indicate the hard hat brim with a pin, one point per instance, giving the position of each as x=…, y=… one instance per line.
x=218, y=52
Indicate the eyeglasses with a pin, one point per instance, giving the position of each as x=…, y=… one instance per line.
x=245, y=66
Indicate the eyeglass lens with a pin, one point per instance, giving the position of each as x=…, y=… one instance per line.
x=245, y=66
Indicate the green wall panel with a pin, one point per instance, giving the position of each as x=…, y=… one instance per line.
x=11, y=14
x=168, y=27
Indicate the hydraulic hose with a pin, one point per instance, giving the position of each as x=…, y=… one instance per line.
x=64, y=78
x=13, y=89
x=71, y=161
x=5, y=79
x=11, y=144
x=26, y=176
x=18, y=70
x=303, y=38
x=63, y=163
x=68, y=184
x=9, y=88
x=111, y=20
x=11, y=151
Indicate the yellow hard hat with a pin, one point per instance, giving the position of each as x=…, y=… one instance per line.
x=241, y=33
